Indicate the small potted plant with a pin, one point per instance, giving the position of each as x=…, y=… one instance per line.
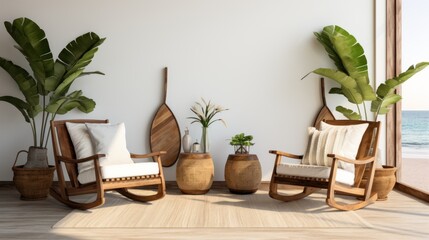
x=241, y=143
x=243, y=172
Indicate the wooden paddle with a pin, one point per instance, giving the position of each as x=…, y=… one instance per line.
x=324, y=113
x=165, y=132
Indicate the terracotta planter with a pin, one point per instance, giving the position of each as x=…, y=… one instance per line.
x=384, y=181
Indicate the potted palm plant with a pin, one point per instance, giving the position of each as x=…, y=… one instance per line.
x=243, y=172
x=46, y=93
x=351, y=74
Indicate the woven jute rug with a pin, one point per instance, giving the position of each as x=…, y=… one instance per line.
x=216, y=209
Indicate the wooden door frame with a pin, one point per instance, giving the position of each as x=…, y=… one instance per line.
x=394, y=117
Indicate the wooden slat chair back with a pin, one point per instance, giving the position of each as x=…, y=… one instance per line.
x=63, y=145
x=365, y=158
x=65, y=155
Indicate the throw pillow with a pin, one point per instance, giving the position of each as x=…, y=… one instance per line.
x=341, y=140
x=110, y=139
x=82, y=143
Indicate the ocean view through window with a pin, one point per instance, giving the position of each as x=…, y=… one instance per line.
x=415, y=103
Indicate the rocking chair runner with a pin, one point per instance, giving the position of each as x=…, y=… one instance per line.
x=64, y=154
x=365, y=158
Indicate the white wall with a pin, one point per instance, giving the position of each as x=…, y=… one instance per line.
x=246, y=55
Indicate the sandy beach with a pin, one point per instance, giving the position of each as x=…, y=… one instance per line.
x=415, y=172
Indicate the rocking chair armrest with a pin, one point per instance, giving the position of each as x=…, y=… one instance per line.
x=285, y=154
x=148, y=155
x=81, y=160
x=348, y=160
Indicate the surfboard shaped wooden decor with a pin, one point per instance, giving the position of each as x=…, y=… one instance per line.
x=324, y=113
x=165, y=132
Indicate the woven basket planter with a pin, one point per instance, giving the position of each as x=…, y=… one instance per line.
x=33, y=183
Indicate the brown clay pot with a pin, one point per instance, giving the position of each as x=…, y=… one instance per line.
x=384, y=181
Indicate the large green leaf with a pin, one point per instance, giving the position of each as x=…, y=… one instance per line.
x=72, y=61
x=385, y=92
x=349, y=87
x=349, y=51
x=32, y=42
x=86, y=105
x=382, y=106
x=349, y=57
x=25, y=82
x=365, y=89
x=22, y=106
x=348, y=113
x=340, y=77
x=74, y=100
x=324, y=39
x=64, y=86
x=389, y=86
x=79, y=52
x=336, y=90
x=52, y=82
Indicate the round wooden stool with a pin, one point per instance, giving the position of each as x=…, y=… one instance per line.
x=243, y=173
x=194, y=173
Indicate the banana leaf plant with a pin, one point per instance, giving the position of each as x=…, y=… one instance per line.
x=352, y=75
x=46, y=91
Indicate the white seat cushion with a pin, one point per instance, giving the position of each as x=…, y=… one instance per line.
x=120, y=170
x=303, y=170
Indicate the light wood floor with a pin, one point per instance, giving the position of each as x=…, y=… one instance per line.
x=401, y=217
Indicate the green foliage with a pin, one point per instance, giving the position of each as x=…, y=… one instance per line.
x=242, y=140
x=352, y=74
x=241, y=143
x=46, y=90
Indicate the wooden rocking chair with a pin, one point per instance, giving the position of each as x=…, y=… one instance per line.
x=364, y=159
x=64, y=154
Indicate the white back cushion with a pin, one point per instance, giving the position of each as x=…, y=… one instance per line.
x=341, y=140
x=82, y=144
x=110, y=139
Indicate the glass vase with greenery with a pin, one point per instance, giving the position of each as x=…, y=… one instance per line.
x=205, y=113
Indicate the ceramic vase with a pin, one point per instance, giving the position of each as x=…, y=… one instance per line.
x=187, y=142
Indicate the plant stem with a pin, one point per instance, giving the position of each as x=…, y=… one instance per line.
x=357, y=105
x=33, y=128
x=364, y=109
x=378, y=111
x=49, y=129
x=42, y=127
x=46, y=135
x=358, y=108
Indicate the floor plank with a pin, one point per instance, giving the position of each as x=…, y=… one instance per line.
x=400, y=217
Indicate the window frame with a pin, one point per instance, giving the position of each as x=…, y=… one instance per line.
x=394, y=117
